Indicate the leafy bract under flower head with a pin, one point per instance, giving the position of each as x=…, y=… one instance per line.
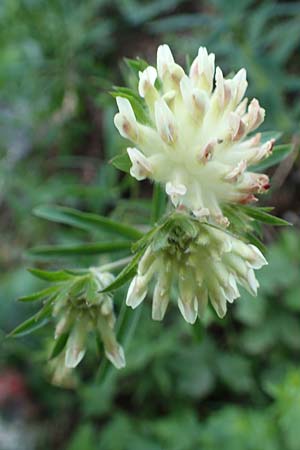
x=196, y=143
x=203, y=262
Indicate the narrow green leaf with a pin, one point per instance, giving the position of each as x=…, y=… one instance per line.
x=40, y=295
x=158, y=202
x=96, y=248
x=52, y=276
x=122, y=162
x=263, y=216
x=59, y=345
x=29, y=326
x=33, y=323
x=280, y=152
x=268, y=135
x=136, y=64
x=85, y=221
x=257, y=242
x=77, y=272
x=126, y=91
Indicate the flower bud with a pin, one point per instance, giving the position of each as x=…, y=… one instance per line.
x=165, y=122
x=113, y=351
x=125, y=120
x=202, y=70
x=141, y=167
x=76, y=348
x=147, y=79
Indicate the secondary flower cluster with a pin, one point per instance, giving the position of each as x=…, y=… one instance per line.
x=196, y=143
x=80, y=309
x=203, y=262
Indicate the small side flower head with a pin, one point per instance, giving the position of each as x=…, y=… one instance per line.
x=197, y=140
x=80, y=309
x=204, y=263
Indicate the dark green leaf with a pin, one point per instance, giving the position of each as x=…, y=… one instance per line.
x=158, y=202
x=136, y=65
x=268, y=135
x=126, y=92
x=33, y=323
x=40, y=295
x=85, y=221
x=52, y=276
x=59, y=345
x=257, y=242
x=96, y=248
x=125, y=275
x=122, y=162
x=262, y=216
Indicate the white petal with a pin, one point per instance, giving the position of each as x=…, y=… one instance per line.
x=259, y=259
x=206, y=151
x=160, y=301
x=232, y=291
x=164, y=59
x=236, y=172
x=256, y=115
x=137, y=291
x=237, y=126
x=165, y=122
x=188, y=309
x=252, y=281
x=196, y=101
x=116, y=356
x=125, y=108
x=240, y=83
x=125, y=120
x=141, y=167
x=146, y=261
x=218, y=302
x=223, y=89
x=202, y=69
x=75, y=348
x=175, y=191
x=147, y=80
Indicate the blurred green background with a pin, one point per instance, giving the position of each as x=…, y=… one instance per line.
x=234, y=385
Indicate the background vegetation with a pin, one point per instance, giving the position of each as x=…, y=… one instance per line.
x=233, y=383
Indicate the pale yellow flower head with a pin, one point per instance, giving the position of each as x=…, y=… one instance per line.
x=199, y=142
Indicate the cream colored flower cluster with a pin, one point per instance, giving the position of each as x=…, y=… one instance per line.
x=211, y=265
x=77, y=316
x=197, y=143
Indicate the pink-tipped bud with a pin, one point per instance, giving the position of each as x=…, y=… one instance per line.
x=206, y=152
x=236, y=172
x=223, y=89
x=255, y=116
x=141, y=167
x=237, y=127
x=125, y=120
x=165, y=122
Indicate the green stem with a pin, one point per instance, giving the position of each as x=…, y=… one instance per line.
x=115, y=264
x=158, y=203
